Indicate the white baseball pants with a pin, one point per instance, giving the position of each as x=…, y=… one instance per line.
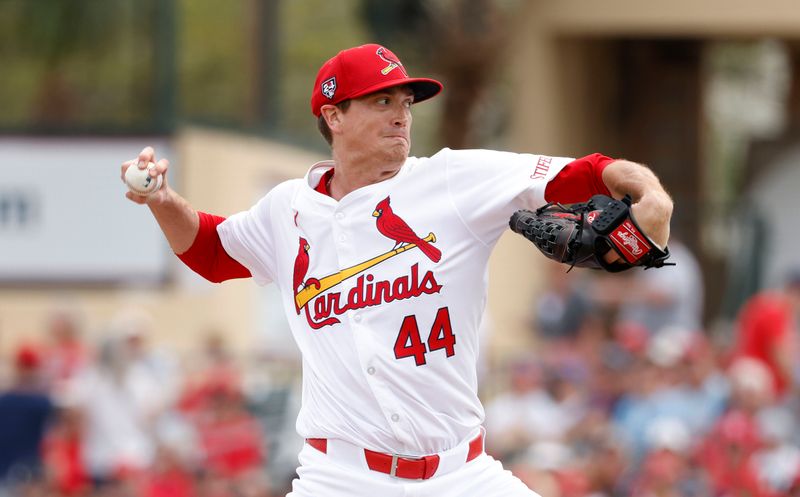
x=342, y=475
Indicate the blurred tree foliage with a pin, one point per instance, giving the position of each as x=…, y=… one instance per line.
x=214, y=70
x=312, y=31
x=130, y=66
x=76, y=66
x=463, y=40
x=71, y=64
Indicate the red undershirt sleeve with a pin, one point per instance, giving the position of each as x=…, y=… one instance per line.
x=579, y=180
x=207, y=257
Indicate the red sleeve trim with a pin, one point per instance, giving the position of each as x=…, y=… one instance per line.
x=207, y=256
x=579, y=180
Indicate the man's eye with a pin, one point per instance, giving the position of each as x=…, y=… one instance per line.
x=383, y=101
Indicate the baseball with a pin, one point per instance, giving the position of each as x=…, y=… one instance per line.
x=140, y=182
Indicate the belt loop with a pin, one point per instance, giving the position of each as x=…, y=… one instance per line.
x=475, y=447
x=431, y=465
x=321, y=444
x=393, y=470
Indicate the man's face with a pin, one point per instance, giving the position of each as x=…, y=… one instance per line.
x=377, y=125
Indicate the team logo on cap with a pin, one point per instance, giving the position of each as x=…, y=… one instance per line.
x=329, y=87
x=390, y=59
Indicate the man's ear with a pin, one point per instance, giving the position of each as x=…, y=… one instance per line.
x=332, y=115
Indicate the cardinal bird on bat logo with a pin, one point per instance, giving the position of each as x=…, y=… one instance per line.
x=301, y=262
x=393, y=227
x=317, y=297
x=390, y=59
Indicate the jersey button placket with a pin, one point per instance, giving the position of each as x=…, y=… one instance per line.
x=366, y=348
x=386, y=398
x=339, y=228
x=340, y=237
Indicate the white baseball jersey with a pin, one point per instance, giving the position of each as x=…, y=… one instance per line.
x=385, y=289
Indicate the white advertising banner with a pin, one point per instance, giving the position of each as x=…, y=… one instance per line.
x=64, y=217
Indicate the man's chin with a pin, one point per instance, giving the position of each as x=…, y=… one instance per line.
x=399, y=151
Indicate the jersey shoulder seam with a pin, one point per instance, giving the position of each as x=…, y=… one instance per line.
x=453, y=203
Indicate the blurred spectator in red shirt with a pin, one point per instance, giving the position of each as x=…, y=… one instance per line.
x=233, y=444
x=668, y=470
x=63, y=454
x=217, y=371
x=231, y=437
x=767, y=330
x=726, y=454
x=168, y=477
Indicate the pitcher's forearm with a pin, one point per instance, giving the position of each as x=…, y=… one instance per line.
x=177, y=219
x=652, y=204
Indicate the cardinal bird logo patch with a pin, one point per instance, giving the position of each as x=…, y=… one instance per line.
x=394, y=228
x=321, y=306
x=301, y=268
x=390, y=59
x=329, y=87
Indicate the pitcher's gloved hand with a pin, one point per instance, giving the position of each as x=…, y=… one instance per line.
x=583, y=234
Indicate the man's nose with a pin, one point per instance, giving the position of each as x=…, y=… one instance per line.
x=401, y=116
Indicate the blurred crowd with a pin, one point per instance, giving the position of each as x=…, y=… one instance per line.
x=124, y=418
x=623, y=394
x=629, y=396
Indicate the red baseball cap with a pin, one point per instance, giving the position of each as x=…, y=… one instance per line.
x=27, y=357
x=366, y=69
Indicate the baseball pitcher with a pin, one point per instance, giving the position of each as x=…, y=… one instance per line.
x=381, y=262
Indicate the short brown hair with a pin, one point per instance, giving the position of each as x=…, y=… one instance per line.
x=322, y=124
